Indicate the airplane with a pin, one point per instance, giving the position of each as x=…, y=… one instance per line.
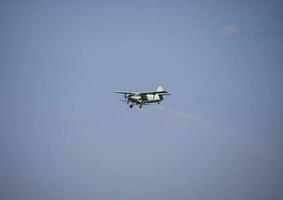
x=143, y=98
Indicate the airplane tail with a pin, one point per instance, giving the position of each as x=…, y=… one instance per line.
x=160, y=89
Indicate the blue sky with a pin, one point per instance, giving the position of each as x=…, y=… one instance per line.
x=65, y=135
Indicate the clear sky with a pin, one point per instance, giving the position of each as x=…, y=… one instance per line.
x=64, y=134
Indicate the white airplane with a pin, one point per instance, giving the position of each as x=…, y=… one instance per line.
x=142, y=98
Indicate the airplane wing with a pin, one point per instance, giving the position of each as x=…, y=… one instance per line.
x=155, y=92
x=124, y=92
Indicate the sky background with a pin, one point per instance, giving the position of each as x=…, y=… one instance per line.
x=64, y=134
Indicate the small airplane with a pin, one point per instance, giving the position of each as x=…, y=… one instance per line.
x=143, y=98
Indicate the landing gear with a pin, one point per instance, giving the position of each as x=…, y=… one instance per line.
x=131, y=106
x=140, y=106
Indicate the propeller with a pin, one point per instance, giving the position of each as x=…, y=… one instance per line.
x=126, y=98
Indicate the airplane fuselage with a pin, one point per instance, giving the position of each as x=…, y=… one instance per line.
x=149, y=98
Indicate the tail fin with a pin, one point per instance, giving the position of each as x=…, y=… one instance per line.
x=160, y=89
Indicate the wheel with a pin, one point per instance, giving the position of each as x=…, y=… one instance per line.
x=131, y=106
x=140, y=106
